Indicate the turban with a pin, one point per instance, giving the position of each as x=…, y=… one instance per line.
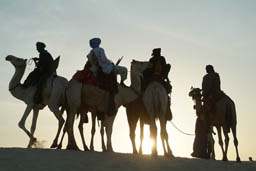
x=40, y=44
x=156, y=52
x=95, y=42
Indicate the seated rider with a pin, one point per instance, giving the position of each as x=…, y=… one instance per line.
x=106, y=65
x=159, y=68
x=211, y=91
x=41, y=72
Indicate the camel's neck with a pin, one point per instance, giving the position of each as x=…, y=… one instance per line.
x=14, y=85
x=125, y=96
x=199, y=108
x=136, y=82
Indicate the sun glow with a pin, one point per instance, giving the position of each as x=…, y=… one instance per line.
x=147, y=142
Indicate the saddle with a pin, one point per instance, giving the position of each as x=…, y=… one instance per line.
x=108, y=82
x=158, y=78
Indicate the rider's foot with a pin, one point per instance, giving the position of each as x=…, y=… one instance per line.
x=122, y=83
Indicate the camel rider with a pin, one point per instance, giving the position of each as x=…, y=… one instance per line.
x=159, y=68
x=106, y=65
x=42, y=71
x=211, y=87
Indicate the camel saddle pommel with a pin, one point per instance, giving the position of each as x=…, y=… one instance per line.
x=55, y=64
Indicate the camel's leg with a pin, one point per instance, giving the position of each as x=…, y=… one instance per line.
x=104, y=149
x=211, y=148
x=63, y=134
x=81, y=130
x=153, y=136
x=23, y=120
x=233, y=128
x=225, y=131
x=220, y=139
x=93, y=131
x=33, y=127
x=132, y=127
x=141, y=135
x=164, y=138
x=109, y=128
x=61, y=123
x=70, y=123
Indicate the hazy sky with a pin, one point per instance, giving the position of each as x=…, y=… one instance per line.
x=191, y=34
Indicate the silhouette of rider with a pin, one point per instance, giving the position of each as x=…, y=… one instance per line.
x=211, y=87
x=41, y=72
x=106, y=65
x=159, y=68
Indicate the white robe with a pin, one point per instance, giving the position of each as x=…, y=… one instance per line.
x=107, y=65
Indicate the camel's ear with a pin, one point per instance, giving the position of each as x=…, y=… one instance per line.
x=25, y=60
x=191, y=88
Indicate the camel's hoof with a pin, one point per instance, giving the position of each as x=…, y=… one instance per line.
x=135, y=152
x=154, y=154
x=54, y=145
x=73, y=147
x=86, y=149
x=238, y=160
x=59, y=146
x=225, y=159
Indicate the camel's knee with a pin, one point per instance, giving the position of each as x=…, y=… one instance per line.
x=132, y=135
x=80, y=127
x=93, y=131
x=21, y=124
x=236, y=142
x=226, y=140
x=220, y=142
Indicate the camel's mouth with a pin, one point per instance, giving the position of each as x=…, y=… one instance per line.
x=8, y=58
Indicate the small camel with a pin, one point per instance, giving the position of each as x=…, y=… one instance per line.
x=223, y=119
x=53, y=95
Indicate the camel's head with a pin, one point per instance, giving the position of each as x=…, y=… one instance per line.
x=17, y=62
x=195, y=93
x=139, y=67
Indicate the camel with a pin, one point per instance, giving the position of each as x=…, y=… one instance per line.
x=78, y=99
x=52, y=96
x=223, y=119
x=155, y=100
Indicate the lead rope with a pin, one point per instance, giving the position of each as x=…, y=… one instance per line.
x=181, y=130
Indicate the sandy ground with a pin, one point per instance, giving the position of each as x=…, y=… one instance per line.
x=21, y=159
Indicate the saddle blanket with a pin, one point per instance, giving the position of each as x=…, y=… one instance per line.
x=86, y=76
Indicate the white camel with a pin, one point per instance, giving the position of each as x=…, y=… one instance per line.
x=155, y=100
x=52, y=95
x=77, y=98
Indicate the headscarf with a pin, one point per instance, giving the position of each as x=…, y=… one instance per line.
x=40, y=44
x=95, y=42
